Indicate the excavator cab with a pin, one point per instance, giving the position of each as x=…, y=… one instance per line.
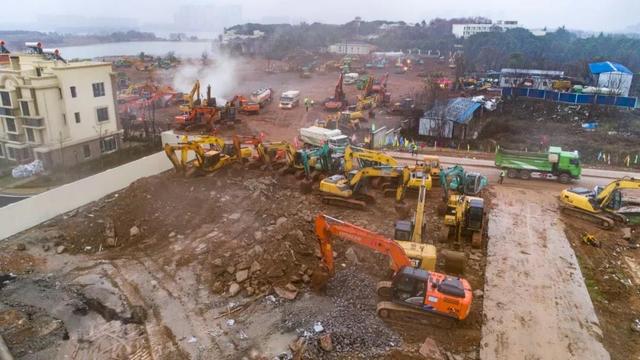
x=475, y=214
x=403, y=230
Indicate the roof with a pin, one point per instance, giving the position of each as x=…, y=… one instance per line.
x=532, y=72
x=460, y=110
x=608, y=66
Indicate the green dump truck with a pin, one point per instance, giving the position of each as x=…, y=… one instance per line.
x=554, y=164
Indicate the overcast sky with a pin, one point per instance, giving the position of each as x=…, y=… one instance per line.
x=595, y=15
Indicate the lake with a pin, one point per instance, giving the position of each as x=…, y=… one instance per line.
x=184, y=49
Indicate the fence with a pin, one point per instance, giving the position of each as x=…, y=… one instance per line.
x=572, y=98
x=27, y=213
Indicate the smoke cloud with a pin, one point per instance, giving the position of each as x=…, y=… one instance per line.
x=219, y=71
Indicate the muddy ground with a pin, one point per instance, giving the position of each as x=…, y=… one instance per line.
x=152, y=272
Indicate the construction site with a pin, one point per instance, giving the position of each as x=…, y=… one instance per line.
x=328, y=206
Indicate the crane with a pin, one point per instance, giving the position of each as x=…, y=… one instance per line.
x=604, y=205
x=411, y=291
x=346, y=191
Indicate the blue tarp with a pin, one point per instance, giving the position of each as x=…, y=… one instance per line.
x=460, y=110
x=608, y=66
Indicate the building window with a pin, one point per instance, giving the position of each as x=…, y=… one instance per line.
x=73, y=91
x=31, y=136
x=77, y=116
x=108, y=144
x=98, y=89
x=24, y=106
x=5, y=98
x=11, y=153
x=11, y=125
x=86, y=150
x=103, y=114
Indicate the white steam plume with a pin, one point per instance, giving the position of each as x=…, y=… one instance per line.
x=220, y=73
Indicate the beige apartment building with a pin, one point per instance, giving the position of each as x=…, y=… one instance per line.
x=61, y=113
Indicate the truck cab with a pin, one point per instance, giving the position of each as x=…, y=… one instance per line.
x=567, y=162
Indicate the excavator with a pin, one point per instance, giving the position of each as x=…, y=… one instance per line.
x=408, y=234
x=603, y=205
x=339, y=99
x=365, y=157
x=214, y=156
x=189, y=100
x=458, y=181
x=200, y=114
x=411, y=291
x=465, y=218
x=245, y=105
x=347, y=191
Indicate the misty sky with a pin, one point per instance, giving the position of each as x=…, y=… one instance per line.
x=595, y=15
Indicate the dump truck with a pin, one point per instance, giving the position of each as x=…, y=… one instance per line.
x=555, y=164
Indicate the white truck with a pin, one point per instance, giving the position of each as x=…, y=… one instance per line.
x=350, y=78
x=318, y=136
x=290, y=99
x=261, y=96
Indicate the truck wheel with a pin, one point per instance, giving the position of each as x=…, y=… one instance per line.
x=525, y=174
x=512, y=173
x=564, y=178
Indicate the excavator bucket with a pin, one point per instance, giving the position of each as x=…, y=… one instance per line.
x=320, y=279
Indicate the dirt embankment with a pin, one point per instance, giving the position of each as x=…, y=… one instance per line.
x=217, y=267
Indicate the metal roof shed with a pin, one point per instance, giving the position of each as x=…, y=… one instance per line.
x=613, y=76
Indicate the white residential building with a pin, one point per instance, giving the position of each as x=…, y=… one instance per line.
x=351, y=48
x=60, y=113
x=466, y=30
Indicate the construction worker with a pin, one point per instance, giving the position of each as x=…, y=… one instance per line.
x=306, y=104
x=501, y=177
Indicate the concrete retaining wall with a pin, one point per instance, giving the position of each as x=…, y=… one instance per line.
x=27, y=213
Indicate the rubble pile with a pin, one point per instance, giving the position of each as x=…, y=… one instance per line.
x=349, y=317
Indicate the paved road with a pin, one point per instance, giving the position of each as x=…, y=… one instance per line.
x=10, y=199
x=481, y=163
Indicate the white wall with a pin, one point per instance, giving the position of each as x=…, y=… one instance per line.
x=30, y=212
x=616, y=80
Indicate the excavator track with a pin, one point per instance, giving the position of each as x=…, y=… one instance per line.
x=395, y=313
x=344, y=202
x=601, y=221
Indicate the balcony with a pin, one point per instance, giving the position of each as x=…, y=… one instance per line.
x=16, y=139
x=33, y=122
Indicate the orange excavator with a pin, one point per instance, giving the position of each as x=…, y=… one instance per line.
x=339, y=99
x=245, y=105
x=411, y=290
x=199, y=114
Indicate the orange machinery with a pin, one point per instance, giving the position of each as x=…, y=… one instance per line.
x=411, y=290
x=339, y=99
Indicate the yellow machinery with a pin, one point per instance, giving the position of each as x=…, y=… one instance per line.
x=366, y=158
x=189, y=98
x=465, y=218
x=420, y=174
x=603, y=205
x=408, y=234
x=432, y=164
x=209, y=154
x=342, y=191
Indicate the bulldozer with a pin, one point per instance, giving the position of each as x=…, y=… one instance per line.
x=604, y=205
x=411, y=291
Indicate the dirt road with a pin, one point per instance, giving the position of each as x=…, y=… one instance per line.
x=536, y=304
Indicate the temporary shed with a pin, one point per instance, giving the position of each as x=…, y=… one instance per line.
x=613, y=76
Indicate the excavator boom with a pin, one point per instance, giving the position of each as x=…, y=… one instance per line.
x=327, y=226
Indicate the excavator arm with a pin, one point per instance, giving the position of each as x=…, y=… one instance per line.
x=339, y=92
x=351, y=152
x=605, y=196
x=384, y=171
x=327, y=227
x=419, y=216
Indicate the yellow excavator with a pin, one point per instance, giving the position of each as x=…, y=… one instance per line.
x=210, y=153
x=408, y=234
x=348, y=191
x=191, y=99
x=465, y=218
x=603, y=205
